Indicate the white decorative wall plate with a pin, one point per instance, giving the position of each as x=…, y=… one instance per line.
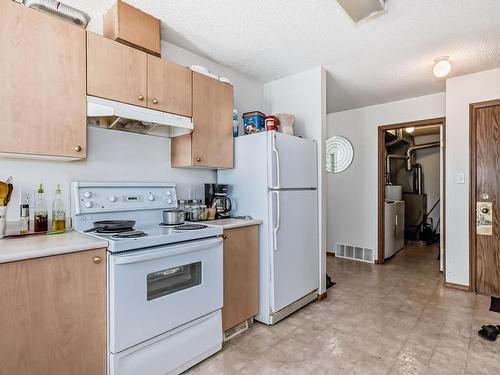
x=339, y=154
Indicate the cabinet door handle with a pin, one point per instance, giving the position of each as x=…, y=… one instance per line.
x=78, y=148
x=155, y=101
x=97, y=260
x=141, y=97
x=223, y=236
x=198, y=159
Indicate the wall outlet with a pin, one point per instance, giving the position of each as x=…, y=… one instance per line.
x=461, y=178
x=26, y=196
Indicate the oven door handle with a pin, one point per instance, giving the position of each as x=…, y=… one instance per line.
x=166, y=251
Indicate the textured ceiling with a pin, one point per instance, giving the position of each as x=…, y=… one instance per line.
x=385, y=58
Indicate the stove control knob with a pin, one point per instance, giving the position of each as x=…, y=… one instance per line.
x=112, y=198
x=169, y=193
x=169, y=201
x=151, y=197
x=87, y=194
x=88, y=204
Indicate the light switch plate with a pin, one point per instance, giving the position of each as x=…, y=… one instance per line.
x=461, y=178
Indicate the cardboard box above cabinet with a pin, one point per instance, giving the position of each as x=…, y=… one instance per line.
x=133, y=27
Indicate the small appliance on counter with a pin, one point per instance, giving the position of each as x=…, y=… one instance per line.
x=216, y=196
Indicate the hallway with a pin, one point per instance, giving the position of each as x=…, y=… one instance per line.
x=392, y=319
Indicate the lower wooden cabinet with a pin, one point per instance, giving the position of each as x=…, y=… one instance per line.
x=241, y=275
x=53, y=315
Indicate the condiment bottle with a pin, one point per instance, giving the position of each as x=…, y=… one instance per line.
x=24, y=221
x=58, y=213
x=41, y=214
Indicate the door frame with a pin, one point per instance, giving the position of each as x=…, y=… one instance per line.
x=381, y=180
x=472, y=188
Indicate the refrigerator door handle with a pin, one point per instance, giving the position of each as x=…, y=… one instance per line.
x=276, y=225
x=277, y=155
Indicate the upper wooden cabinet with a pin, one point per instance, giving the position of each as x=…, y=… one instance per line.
x=116, y=71
x=53, y=315
x=42, y=84
x=169, y=87
x=127, y=75
x=211, y=143
x=132, y=26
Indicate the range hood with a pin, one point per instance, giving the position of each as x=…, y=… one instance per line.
x=108, y=114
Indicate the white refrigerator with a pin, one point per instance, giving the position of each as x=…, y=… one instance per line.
x=275, y=179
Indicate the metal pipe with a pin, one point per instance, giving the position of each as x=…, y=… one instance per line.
x=388, y=159
x=417, y=179
x=400, y=137
x=411, y=149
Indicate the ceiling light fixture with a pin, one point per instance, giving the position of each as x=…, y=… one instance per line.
x=442, y=67
x=361, y=9
x=410, y=130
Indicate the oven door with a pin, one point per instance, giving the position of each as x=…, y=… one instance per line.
x=155, y=290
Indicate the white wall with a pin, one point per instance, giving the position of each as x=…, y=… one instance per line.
x=304, y=95
x=116, y=155
x=112, y=156
x=460, y=92
x=248, y=93
x=352, y=194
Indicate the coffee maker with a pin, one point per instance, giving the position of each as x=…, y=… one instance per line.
x=216, y=196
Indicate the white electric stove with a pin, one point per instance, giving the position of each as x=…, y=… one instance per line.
x=164, y=283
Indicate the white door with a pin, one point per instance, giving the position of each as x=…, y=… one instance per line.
x=155, y=290
x=294, y=242
x=292, y=162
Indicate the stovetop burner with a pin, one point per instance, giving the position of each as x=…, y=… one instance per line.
x=113, y=231
x=190, y=227
x=130, y=234
x=169, y=225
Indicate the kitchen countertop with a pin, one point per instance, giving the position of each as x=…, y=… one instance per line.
x=36, y=246
x=234, y=223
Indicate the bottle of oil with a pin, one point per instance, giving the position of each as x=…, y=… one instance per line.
x=58, y=213
x=41, y=212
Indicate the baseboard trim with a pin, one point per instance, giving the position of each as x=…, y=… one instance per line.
x=465, y=288
x=322, y=296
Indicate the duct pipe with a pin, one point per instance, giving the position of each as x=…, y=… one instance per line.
x=400, y=138
x=388, y=159
x=412, y=149
x=417, y=179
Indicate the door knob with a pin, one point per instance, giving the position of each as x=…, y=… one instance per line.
x=78, y=148
x=141, y=97
x=97, y=260
x=155, y=101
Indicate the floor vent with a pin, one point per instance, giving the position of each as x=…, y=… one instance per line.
x=362, y=254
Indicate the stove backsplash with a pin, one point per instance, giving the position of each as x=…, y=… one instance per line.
x=111, y=156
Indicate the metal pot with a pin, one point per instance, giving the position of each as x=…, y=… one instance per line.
x=173, y=217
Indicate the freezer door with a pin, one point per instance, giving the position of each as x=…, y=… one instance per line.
x=294, y=243
x=292, y=162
